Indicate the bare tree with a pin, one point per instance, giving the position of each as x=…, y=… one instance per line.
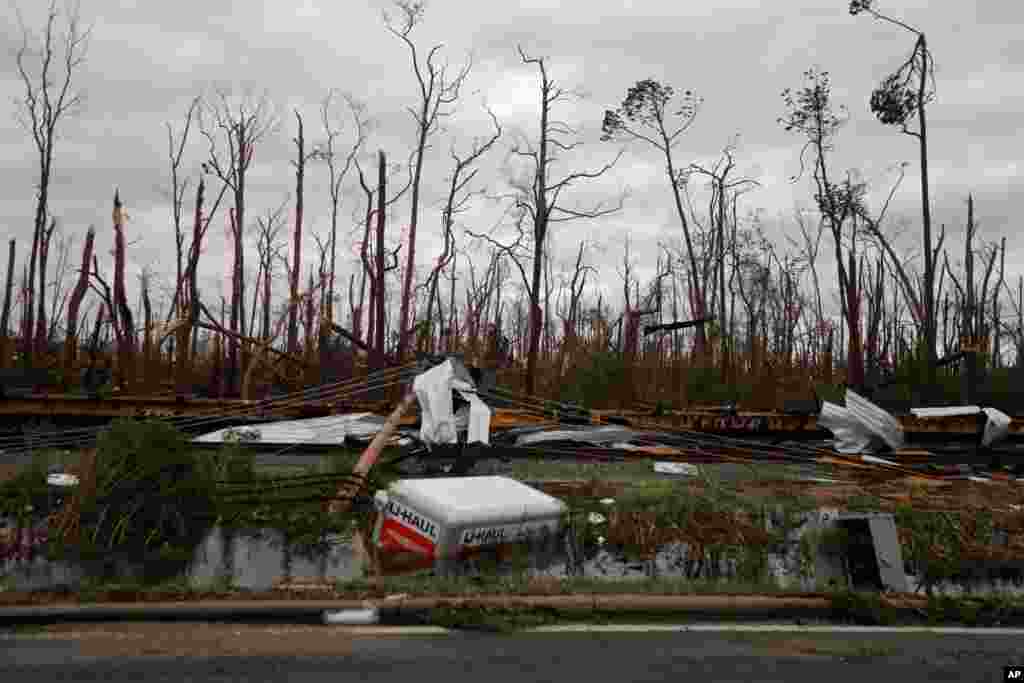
x=721, y=189
x=123, y=312
x=302, y=156
x=59, y=300
x=810, y=113
x=268, y=250
x=973, y=307
x=647, y=114
x=81, y=288
x=456, y=203
x=45, y=239
x=47, y=71
x=337, y=169
x=808, y=248
x=537, y=199
x=241, y=126
x=371, y=266
x=5, y=314
x=436, y=90
x=179, y=185
x=902, y=94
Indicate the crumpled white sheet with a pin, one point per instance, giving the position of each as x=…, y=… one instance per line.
x=850, y=435
x=997, y=427
x=438, y=423
x=861, y=426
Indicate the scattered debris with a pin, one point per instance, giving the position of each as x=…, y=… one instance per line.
x=438, y=423
x=997, y=423
x=681, y=468
x=352, y=617
x=62, y=479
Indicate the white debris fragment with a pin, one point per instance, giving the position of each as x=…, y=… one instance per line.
x=596, y=518
x=62, y=479
x=438, y=423
x=683, y=468
x=877, y=461
x=479, y=418
x=607, y=501
x=997, y=428
x=434, y=392
x=878, y=421
x=860, y=425
x=352, y=617
x=850, y=435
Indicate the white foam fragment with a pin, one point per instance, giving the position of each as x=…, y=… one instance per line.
x=682, y=468
x=62, y=479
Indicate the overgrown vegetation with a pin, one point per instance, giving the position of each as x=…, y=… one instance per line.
x=146, y=498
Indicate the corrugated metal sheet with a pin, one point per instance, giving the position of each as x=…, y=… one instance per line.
x=878, y=422
x=332, y=430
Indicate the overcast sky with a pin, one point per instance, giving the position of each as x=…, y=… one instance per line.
x=147, y=59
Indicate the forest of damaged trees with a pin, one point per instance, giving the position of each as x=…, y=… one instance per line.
x=925, y=322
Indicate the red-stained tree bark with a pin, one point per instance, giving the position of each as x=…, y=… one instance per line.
x=74, y=306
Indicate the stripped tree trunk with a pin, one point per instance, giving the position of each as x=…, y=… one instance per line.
x=74, y=305
x=5, y=314
x=127, y=347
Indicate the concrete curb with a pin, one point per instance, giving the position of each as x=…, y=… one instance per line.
x=404, y=611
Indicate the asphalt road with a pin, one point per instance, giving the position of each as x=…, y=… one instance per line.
x=313, y=654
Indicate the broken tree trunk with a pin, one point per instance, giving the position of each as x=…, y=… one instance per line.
x=126, y=350
x=5, y=315
x=74, y=305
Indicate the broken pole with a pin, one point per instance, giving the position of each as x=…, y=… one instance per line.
x=366, y=461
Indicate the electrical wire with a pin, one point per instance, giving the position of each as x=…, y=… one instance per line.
x=335, y=391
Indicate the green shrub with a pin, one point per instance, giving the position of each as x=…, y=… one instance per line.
x=153, y=502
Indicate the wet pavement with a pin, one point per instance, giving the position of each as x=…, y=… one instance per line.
x=211, y=652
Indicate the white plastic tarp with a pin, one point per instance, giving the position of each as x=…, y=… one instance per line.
x=997, y=427
x=438, y=423
x=877, y=421
x=479, y=419
x=433, y=390
x=860, y=425
x=850, y=435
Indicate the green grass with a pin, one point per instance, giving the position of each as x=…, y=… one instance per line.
x=428, y=585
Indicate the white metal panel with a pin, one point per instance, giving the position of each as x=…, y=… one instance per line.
x=949, y=411
x=879, y=422
x=461, y=501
